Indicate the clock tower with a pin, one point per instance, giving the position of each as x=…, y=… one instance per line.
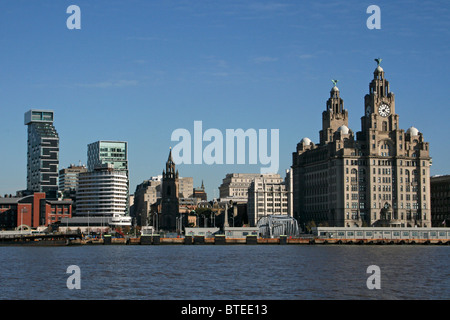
x=379, y=117
x=380, y=179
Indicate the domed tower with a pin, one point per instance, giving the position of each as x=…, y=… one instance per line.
x=379, y=105
x=334, y=116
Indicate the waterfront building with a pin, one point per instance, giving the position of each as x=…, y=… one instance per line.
x=440, y=201
x=240, y=232
x=267, y=198
x=87, y=224
x=112, y=153
x=207, y=232
x=32, y=211
x=378, y=177
x=103, y=192
x=235, y=185
x=42, y=153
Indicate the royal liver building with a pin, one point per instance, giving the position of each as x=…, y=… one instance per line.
x=378, y=177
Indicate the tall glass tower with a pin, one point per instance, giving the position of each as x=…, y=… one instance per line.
x=114, y=153
x=43, y=152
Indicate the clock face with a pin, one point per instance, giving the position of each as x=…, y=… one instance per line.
x=368, y=111
x=384, y=110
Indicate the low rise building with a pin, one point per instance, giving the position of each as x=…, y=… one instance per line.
x=32, y=211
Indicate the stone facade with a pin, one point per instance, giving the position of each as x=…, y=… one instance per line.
x=235, y=185
x=378, y=177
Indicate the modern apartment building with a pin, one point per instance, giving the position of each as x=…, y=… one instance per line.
x=103, y=192
x=111, y=153
x=379, y=176
x=42, y=153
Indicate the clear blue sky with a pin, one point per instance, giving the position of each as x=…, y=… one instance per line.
x=138, y=70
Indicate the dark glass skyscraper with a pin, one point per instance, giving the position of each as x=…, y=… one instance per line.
x=43, y=152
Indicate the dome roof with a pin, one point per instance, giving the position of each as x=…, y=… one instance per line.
x=413, y=131
x=306, y=141
x=379, y=69
x=335, y=88
x=343, y=129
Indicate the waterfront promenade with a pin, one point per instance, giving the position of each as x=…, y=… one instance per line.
x=78, y=239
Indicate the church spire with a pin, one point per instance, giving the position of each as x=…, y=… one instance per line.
x=170, y=166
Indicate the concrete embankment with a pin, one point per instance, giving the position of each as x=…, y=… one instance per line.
x=253, y=240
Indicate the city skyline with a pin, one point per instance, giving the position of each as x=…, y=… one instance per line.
x=137, y=73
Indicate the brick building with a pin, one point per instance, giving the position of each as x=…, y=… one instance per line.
x=32, y=210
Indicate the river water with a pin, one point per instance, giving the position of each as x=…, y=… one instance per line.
x=227, y=272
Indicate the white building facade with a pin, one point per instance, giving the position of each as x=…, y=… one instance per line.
x=103, y=192
x=267, y=196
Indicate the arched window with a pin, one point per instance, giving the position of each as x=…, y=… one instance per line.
x=385, y=126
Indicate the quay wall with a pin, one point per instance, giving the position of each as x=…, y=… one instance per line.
x=220, y=240
x=217, y=240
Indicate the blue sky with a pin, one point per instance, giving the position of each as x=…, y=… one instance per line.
x=138, y=70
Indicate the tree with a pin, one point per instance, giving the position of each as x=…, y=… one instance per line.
x=309, y=225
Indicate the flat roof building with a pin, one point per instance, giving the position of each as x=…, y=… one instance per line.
x=440, y=201
x=42, y=153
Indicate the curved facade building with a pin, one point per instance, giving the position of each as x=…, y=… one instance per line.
x=102, y=192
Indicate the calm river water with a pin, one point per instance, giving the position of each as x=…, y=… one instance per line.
x=225, y=272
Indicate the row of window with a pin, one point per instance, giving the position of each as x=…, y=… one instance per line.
x=414, y=205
